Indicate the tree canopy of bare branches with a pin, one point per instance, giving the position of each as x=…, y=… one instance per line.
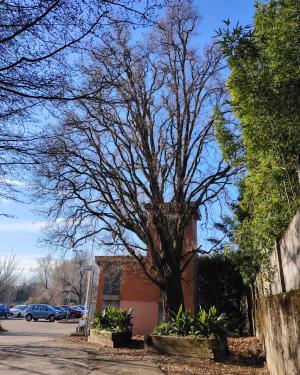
x=59, y=281
x=9, y=273
x=39, y=42
x=141, y=158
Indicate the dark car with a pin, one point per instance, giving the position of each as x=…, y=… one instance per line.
x=4, y=311
x=62, y=310
x=72, y=312
x=42, y=311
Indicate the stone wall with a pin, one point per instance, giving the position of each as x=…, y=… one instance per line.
x=284, y=263
x=278, y=328
x=289, y=247
x=277, y=308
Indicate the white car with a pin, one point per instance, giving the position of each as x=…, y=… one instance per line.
x=18, y=310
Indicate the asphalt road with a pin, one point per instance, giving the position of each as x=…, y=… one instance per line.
x=29, y=348
x=21, y=332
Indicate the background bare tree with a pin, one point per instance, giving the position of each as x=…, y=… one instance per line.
x=60, y=281
x=39, y=42
x=10, y=272
x=141, y=158
x=44, y=271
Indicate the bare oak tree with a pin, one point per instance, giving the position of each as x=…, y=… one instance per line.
x=39, y=42
x=133, y=165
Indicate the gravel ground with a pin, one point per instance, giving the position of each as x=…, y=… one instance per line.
x=246, y=357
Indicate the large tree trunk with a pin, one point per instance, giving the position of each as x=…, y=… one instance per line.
x=173, y=294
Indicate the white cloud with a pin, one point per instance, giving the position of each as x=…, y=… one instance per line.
x=4, y=201
x=25, y=226
x=15, y=182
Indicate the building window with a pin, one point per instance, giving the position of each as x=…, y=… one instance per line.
x=113, y=303
x=112, y=279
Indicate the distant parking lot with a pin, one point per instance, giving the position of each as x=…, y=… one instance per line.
x=22, y=332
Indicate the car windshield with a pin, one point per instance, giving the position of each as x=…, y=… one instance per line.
x=21, y=307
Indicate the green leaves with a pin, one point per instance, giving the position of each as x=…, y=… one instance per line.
x=210, y=324
x=164, y=329
x=229, y=143
x=182, y=322
x=113, y=319
x=265, y=95
x=204, y=324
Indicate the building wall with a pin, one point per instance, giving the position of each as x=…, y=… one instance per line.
x=135, y=285
x=145, y=315
x=138, y=292
x=100, y=287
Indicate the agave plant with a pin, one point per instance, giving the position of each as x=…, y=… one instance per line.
x=113, y=319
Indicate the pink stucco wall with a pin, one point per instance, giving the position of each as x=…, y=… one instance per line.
x=145, y=315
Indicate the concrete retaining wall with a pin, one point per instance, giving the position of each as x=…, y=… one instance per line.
x=278, y=328
x=284, y=263
x=277, y=308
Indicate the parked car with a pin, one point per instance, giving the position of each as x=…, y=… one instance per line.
x=4, y=311
x=83, y=309
x=62, y=310
x=80, y=310
x=17, y=310
x=42, y=311
x=72, y=312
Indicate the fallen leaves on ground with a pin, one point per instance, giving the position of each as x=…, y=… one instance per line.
x=246, y=358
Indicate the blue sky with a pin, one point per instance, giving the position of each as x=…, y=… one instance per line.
x=20, y=235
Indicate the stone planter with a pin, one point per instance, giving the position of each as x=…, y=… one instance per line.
x=187, y=346
x=111, y=339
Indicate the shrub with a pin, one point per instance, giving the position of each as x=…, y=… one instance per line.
x=182, y=322
x=164, y=329
x=113, y=319
x=210, y=324
x=205, y=324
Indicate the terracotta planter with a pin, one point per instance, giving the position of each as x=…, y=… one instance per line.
x=111, y=339
x=187, y=346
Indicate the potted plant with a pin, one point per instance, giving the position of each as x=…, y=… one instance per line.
x=203, y=335
x=112, y=327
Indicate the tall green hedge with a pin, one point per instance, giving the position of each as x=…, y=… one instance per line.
x=264, y=85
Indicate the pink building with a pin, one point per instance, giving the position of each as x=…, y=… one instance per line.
x=122, y=283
